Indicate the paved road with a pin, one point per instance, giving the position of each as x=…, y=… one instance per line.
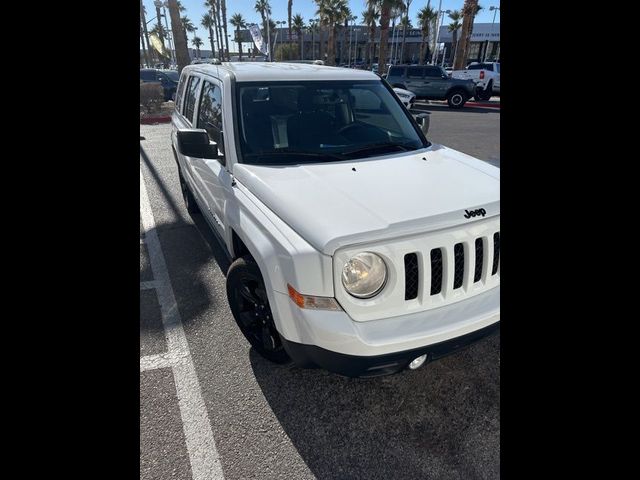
x=208, y=403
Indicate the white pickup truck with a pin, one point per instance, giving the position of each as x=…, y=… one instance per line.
x=486, y=76
x=357, y=245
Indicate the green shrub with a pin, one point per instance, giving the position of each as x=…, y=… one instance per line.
x=287, y=52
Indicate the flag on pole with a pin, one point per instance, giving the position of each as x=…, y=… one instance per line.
x=257, y=39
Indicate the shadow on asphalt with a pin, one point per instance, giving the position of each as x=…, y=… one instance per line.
x=182, y=245
x=441, y=421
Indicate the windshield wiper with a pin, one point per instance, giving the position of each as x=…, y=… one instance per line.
x=311, y=156
x=376, y=147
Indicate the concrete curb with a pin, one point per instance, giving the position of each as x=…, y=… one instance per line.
x=155, y=119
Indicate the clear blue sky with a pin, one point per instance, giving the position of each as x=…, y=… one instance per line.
x=195, y=11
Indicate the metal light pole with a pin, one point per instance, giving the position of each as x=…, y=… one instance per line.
x=269, y=36
x=495, y=10
x=434, y=58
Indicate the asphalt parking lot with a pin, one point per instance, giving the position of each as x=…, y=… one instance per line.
x=210, y=407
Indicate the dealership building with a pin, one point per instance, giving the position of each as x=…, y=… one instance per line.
x=485, y=37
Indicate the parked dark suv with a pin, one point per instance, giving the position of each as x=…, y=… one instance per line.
x=431, y=82
x=167, y=78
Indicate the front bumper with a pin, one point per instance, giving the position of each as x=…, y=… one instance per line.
x=330, y=339
x=311, y=356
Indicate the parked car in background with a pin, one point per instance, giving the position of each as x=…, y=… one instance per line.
x=486, y=77
x=431, y=82
x=406, y=97
x=167, y=78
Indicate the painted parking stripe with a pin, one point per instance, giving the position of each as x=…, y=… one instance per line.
x=148, y=285
x=203, y=455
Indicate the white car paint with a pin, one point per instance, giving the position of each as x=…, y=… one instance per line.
x=406, y=97
x=482, y=77
x=302, y=222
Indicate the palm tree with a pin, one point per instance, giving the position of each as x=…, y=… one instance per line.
x=264, y=9
x=331, y=13
x=314, y=29
x=187, y=27
x=386, y=7
x=406, y=24
x=349, y=17
x=207, y=22
x=237, y=20
x=425, y=18
x=395, y=13
x=197, y=42
x=224, y=26
x=370, y=16
x=453, y=27
x=289, y=7
x=469, y=10
x=298, y=28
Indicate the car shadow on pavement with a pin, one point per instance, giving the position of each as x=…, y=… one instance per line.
x=441, y=421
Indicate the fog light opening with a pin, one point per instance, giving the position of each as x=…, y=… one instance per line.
x=418, y=362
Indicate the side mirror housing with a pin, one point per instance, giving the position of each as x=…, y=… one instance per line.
x=424, y=122
x=195, y=143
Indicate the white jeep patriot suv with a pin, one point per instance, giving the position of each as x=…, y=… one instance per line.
x=358, y=246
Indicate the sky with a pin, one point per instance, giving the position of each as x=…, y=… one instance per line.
x=196, y=9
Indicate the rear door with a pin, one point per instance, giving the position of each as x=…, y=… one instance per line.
x=415, y=81
x=184, y=118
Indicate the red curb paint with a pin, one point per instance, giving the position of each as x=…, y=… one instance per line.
x=156, y=119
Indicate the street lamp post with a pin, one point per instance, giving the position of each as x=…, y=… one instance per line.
x=440, y=21
x=269, y=36
x=495, y=10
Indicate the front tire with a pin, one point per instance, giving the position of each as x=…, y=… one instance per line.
x=457, y=99
x=247, y=296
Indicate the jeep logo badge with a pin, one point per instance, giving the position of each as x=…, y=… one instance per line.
x=475, y=213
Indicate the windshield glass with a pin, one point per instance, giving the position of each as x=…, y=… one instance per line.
x=295, y=122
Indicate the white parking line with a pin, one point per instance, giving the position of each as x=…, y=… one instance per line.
x=203, y=455
x=148, y=285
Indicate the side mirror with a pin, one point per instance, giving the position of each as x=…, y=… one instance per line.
x=195, y=143
x=424, y=121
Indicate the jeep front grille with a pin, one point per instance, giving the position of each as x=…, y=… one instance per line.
x=482, y=250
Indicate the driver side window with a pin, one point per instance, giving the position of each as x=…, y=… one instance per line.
x=210, y=113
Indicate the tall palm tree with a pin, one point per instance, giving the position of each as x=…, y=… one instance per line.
x=182, y=50
x=298, y=28
x=237, y=20
x=143, y=23
x=224, y=26
x=369, y=18
x=187, y=27
x=406, y=25
x=263, y=8
x=314, y=29
x=425, y=18
x=453, y=27
x=197, y=42
x=207, y=22
x=469, y=10
x=349, y=17
x=395, y=13
x=289, y=7
x=386, y=6
x=332, y=12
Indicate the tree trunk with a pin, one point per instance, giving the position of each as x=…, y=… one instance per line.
x=384, y=37
x=144, y=50
x=146, y=33
x=289, y=7
x=404, y=30
x=454, y=46
x=300, y=45
x=465, y=34
x=331, y=55
x=372, y=44
x=219, y=31
x=224, y=25
x=320, y=50
x=422, y=45
x=213, y=50
x=182, y=54
x=239, y=44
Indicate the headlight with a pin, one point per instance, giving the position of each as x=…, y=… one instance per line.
x=364, y=275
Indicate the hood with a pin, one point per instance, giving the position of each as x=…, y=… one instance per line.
x=401, y=91
x=332, y=205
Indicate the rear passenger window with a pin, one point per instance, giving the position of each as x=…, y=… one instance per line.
x=210, y=112
x=190, y=100
x=396, y=71
x=180, y=92
x=415, y=72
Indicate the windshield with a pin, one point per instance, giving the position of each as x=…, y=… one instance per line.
x=296, y=122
